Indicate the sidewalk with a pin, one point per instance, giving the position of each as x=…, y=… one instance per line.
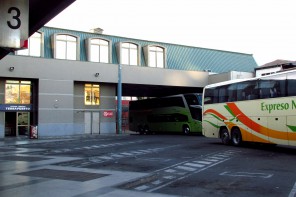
x=10, y=141
x=28, y=172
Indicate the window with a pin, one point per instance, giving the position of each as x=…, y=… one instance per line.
x=98, y=50
x=17, y=92
x=35, y=46
x=291, y=84
x=211, y=96
x=247, y=90
x=223, y=94
x=128, y=53
x=92, y=94
x=66, y=47
x=155, y=56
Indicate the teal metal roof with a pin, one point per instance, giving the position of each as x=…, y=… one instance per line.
x=179, y=57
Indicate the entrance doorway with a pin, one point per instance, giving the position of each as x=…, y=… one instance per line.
x=92, y=122
x=17, y=123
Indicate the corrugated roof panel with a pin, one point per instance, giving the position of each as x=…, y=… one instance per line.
x=179, y=57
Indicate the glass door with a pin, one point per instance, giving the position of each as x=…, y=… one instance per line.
x=23, y=123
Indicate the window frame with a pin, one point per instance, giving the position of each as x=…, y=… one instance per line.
x=88, y=44
x=91, y=101
x=54, y=45
x=19, y=52
x=147, y=55
x=119, y=49
x=18, y=83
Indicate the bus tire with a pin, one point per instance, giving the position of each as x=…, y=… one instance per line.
x=224, y=136
x=140, y=130
x=186, y=130
x=236, y=137
x=146, y=129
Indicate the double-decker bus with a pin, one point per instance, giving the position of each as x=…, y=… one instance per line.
x=177, y=113
x=261, y=109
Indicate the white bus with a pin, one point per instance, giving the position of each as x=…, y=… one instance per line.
x=259, y=109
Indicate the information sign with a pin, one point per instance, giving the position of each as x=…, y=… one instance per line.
x=14, y=23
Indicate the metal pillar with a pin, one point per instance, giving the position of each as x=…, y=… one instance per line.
x=119, y=101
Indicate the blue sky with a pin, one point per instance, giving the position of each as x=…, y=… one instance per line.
x=264, y=28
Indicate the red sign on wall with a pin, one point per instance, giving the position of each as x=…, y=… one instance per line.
x=108, y=114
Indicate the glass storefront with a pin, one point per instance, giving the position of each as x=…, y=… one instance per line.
x=17, y=107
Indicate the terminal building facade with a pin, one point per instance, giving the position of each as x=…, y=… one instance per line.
x=66, y=82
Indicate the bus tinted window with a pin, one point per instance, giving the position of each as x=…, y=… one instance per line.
x=172, y=101
x=291, y=84
x=192, y=99
x=277, y=85
x=211, y=96
x=272, y=88
x=266, y=89
x=247, y=90
x=223, y=94
x=232, y=92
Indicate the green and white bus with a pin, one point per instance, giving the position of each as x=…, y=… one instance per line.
x=259, y=109
x=178, y=113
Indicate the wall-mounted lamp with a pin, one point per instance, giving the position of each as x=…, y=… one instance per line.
x=11, y=68
x=97, y=74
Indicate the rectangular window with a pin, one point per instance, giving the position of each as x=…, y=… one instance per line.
x=104, y=54
x=125, y=56
x=134, y=57
x=156, y=57
x=34, y=46
x=71, y=50
x=17, y=92
x=95, y=50
x=92, y=94
x=291, y=84
x=129, y=54
x=152, y=59
x=160, y=60
x=61, y=50
x=211, y=96
x=99, y=50
x=66, y=47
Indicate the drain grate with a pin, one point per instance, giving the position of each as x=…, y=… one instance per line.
x=63, y=175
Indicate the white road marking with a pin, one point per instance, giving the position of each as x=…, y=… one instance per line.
x=142, y=187
x=204, y=162
x=157, y=182
x=247, y=174
x=195, y=165
x=170, y=170
x=186, y=168
x=293, y=191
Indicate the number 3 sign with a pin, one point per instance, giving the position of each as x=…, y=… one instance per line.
x=14, y=23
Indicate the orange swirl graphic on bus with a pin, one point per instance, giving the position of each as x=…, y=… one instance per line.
x=257, y=127
x=211, y=111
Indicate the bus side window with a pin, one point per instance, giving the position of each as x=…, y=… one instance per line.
x=232, y=92
x=291, y=84
x=223, y=94
x=277, y=84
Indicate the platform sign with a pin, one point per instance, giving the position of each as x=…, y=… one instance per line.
x=14, y=23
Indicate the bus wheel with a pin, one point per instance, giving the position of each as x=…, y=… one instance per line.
x=236, y=137
x=224, y=136
x=146, y=130
x=186, y=130
x=140, y=130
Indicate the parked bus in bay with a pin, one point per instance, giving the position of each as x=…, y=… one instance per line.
x=261, y=109
x=177, y=113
